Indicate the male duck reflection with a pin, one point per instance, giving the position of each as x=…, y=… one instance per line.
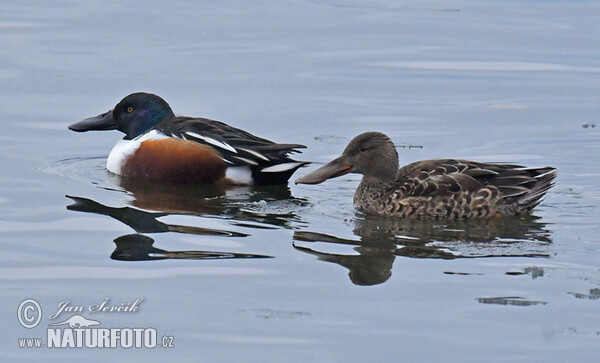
x=441, y=188
x=160, y=146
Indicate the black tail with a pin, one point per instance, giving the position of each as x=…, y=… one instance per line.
x=277, y=173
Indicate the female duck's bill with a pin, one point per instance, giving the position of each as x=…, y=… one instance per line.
x=333, y=169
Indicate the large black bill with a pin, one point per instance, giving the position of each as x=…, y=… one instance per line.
x=104, y=121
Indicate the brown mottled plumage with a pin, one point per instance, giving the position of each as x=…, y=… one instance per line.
x=440, y=188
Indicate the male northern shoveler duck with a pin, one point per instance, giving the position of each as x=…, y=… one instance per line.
x=441, y=188
x=162, y=147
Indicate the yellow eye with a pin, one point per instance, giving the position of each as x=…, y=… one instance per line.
x=129, y=109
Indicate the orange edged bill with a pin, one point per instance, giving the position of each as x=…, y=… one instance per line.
x=333, y=169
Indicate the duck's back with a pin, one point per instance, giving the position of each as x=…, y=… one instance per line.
x=267, y=161
x=456, y=189
x=185, y=149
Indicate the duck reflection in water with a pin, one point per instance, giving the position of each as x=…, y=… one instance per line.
x=137, y=247
x=142, y=221
x=151, y=201
x=382, y=239
x=239, y=204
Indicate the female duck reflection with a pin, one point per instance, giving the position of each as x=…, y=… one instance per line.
x=381, y=239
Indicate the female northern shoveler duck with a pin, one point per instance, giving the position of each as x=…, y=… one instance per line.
x=441, y=188
x=162, y=147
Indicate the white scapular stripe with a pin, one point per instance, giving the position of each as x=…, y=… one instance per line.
x=244, y=160
x=280, y=167
x=212, y=141
x=257, y=154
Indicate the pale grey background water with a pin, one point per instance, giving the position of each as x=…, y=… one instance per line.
x=494, y=81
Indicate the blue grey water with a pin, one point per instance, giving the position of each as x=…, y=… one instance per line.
x=515, y=81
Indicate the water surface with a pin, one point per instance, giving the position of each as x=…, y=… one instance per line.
x=294, y=273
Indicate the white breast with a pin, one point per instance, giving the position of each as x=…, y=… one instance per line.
x=125, y=148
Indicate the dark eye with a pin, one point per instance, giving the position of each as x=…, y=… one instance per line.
x=363, y=149
x=129, y=109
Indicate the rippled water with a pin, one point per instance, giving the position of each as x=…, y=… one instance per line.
x=294, y=273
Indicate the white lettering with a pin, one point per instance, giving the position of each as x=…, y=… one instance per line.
x=103, y=338
x=91, y=338
x=68, y=340
x=79, y=337
x=138, y=337
x=64, y=306
x=114, y=337
x=124, y=307
x=53, y=338
x=150, y=338
x=98, y=338
x=126, y=338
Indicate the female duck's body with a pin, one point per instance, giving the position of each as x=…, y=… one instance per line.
x=440, y=188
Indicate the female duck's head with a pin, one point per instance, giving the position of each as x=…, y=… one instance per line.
x=371, y=154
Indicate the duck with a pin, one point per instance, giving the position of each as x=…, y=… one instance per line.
x=434, y=189
x=162, y=147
